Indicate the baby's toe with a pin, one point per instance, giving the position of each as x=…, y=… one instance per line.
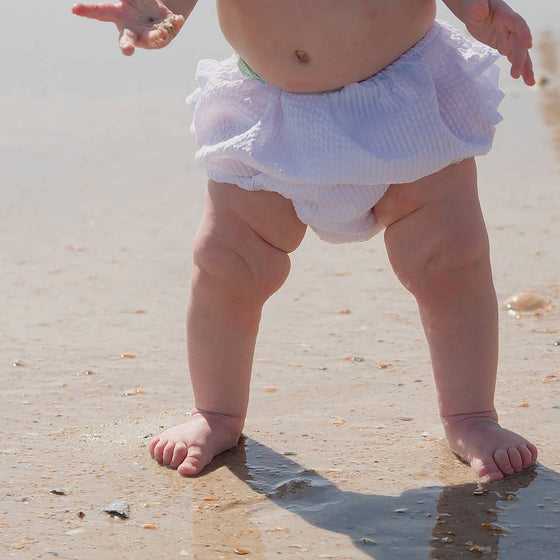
x=515, y=459
x=179, y=454
x=501, y=456
x=194, y=462
x=158, y=450
x=526, y=456
x=534, y=452
x=529, y=454
x=152, y=445
x=487, y=469
x=168, y=452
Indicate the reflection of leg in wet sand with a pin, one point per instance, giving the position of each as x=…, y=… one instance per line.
x=222, y=520
x=468, y=518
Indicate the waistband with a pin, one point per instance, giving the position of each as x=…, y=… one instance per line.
x=246, y=70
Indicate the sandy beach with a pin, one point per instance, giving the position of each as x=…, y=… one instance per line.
x=343, y=455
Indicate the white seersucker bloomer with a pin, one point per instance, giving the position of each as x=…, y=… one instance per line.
x=335, y=154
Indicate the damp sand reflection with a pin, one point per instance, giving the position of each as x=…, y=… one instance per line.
x=251, y=487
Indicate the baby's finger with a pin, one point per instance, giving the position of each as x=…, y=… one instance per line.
x=127, y=41
x=517, y=58
x=528, y=73
x=100, y=12
x=158, y=38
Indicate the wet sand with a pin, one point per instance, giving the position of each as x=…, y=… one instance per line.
x=99, y=203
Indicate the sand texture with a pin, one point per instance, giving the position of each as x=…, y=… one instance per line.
x=345, y=459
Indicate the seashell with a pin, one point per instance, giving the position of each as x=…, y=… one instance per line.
x=525, y=301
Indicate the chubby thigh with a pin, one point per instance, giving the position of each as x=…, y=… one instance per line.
x=433, y=220
x=268, y=214
x=444, y=191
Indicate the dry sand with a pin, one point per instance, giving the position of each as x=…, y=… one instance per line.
x=99, y=203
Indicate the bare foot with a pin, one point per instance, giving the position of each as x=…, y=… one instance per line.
x=490, y=450
x=191, y=446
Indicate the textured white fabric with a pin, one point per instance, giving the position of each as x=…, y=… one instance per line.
x=335, y=154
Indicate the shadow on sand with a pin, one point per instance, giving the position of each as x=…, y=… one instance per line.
x=515, y=519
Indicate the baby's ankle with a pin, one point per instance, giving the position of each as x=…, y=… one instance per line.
x=233, y=424
x=454, y=420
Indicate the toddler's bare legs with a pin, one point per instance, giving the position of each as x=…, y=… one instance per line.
x=437, y=243
x=240, y=259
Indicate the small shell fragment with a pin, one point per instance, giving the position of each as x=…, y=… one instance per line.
x=59, y=491
x=493, y=527
x=479, y=548
x=241, y=551
x=128, y=355
x=119, y=508
x=338, y=422
x=209, y=498
x=133, y=392
x=550, y=379
x=270, y=389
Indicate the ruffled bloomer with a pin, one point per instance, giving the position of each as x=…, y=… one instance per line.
x=335, y=154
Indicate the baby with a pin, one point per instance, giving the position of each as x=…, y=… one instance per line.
x=348, y=116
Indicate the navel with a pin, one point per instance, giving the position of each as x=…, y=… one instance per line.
x=302, y=56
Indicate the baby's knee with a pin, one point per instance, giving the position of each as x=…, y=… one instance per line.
x=457, y=256
x=445, y=261
x=238, y=263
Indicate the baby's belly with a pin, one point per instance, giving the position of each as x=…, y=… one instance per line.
x=318, y=45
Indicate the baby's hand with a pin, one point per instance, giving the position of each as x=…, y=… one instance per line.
x=493, y=22
x=148, y=24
